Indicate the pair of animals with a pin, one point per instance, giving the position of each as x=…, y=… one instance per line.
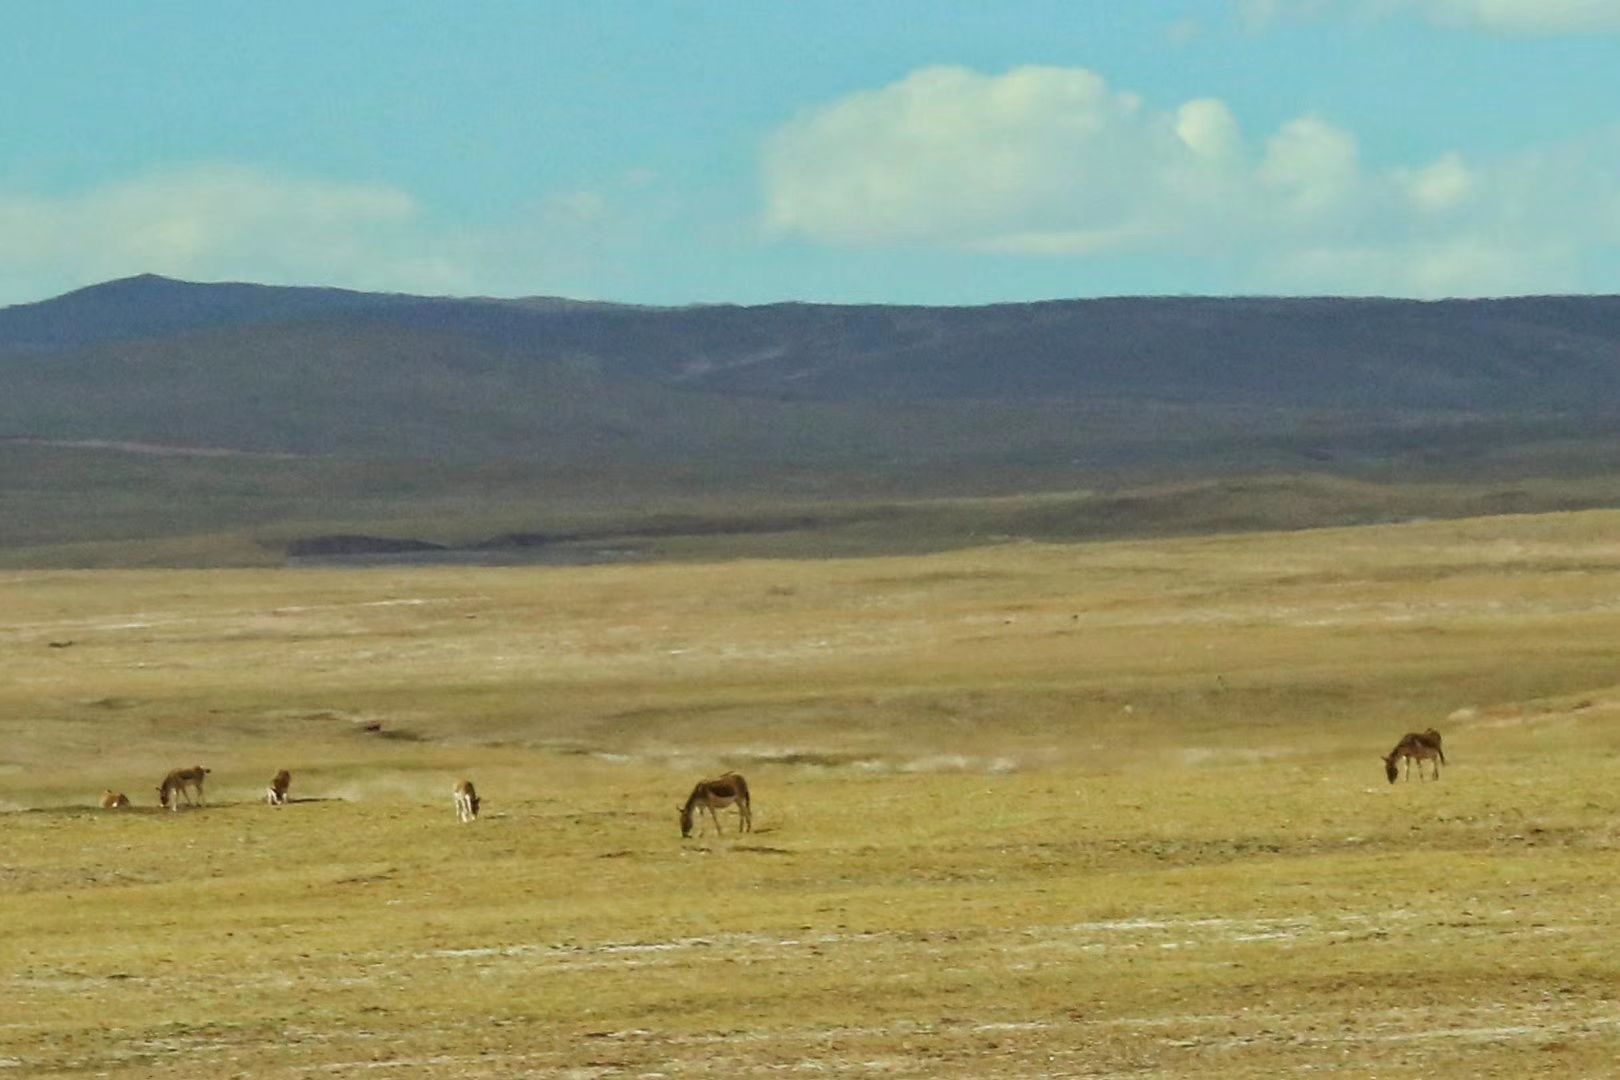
x=181, y=782
x=1418, y=746
x=711, y=795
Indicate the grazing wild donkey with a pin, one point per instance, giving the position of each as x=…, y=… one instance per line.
x=276, y=793
x=1419, y=746
x=717, y=794
x=112, y=800
x=178, y=783
x=467, y=801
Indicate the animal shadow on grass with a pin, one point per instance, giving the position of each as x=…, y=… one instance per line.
x=291, y=801
x=730, y=841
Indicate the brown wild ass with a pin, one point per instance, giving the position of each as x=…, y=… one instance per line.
x=1419, y=746
x=178, y=783
x=467, y=801
x=717, y=794
x=112, y=800
x=276, y=793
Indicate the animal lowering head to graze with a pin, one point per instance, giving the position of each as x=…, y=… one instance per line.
x=1419, y=746
x=178, y=783
x=276, y=793
x=717, y=794
x=112, y=800
x=467, y=801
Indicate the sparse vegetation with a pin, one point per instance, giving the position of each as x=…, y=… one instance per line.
x=1021, y=811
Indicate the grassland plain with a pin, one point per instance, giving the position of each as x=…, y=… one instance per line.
x=1032, y=810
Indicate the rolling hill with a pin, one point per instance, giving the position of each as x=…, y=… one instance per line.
x=149, y=408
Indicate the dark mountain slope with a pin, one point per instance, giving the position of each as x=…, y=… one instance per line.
x=149, y=306
x=357, y=409
x=325, y=387
x=382, y=390
x=1494, y=355
x=1507, y=354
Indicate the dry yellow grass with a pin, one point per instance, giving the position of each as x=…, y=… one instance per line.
x=1023, y=811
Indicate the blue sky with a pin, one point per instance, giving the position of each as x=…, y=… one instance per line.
x=888, y=151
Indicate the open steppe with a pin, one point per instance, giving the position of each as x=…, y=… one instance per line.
x=1111, y=809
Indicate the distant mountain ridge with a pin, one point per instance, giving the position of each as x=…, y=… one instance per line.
x=150, y=305
x=207, y=406
x=1509, y=354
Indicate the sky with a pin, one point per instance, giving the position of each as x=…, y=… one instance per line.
x=876, y=151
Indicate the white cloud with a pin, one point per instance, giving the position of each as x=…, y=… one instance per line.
x=950, y=154
x=1441, y=187
x=1508, y=17
x=1053, y=162
x=1311, y=167
x=1208, y=128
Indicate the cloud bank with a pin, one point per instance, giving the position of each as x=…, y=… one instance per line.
x=1052, y=166
x=1053, y=162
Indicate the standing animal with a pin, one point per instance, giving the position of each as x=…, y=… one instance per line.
x=467, y=801
x=276, y=793
x=112, y=800
x=717, y=794
x=1419, y=746
x=178, y=783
